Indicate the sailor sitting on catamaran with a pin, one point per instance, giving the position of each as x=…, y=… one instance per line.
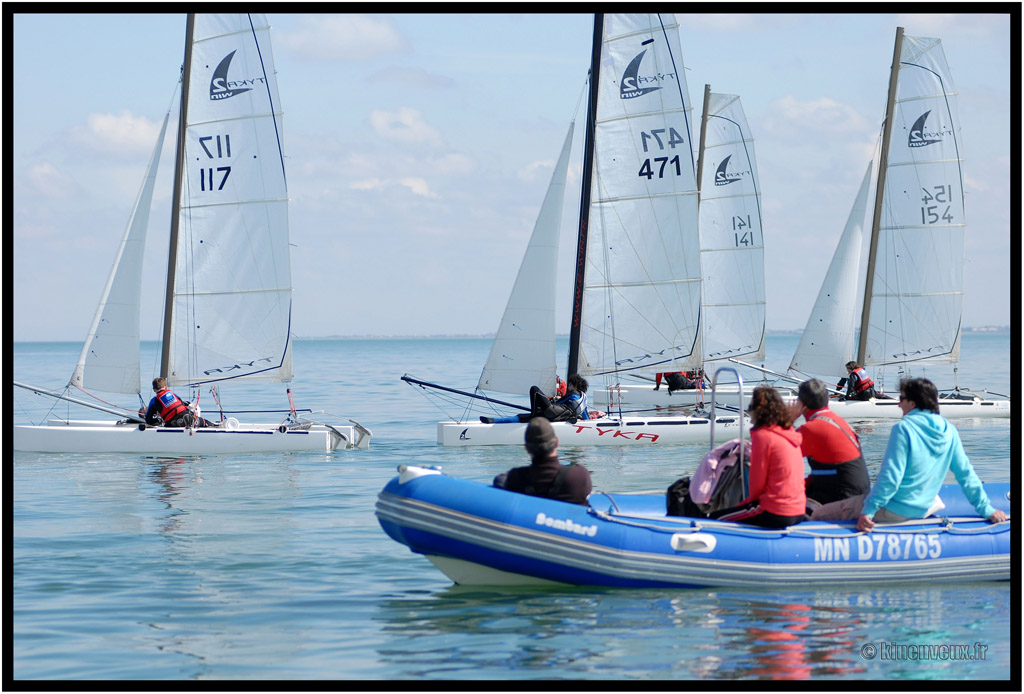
x=571, y=407
x=168, y=409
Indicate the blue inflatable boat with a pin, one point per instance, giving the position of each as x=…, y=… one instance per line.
x=480, y=535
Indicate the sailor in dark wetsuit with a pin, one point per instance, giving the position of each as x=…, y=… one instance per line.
x=570, y=407
x=545, y=476
x=831, y=447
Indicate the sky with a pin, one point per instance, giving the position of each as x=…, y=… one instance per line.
x=419, y=148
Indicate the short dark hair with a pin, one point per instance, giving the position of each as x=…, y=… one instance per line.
x=922, y=391
x=813, y=393
x=159, y=383
x=767, y=408
x=577, y=383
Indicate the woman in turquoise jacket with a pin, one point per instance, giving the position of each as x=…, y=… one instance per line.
x=923, y=447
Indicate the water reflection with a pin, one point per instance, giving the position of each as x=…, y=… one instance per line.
x=465, y=633
x=173, y=476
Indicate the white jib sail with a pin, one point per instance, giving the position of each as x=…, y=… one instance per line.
x=641, y=300
x=232, y=298
x=110, y=357
x=827, y=342
x=731, y=237
x=917, y=296
x=523, y=352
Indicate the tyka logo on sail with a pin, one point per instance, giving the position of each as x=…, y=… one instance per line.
x=222, y=88
x=722, y=175
x=920, y=136
x=630, y=87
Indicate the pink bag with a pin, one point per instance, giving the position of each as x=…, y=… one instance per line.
x=702, y=486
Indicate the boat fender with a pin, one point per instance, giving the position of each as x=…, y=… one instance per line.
x=407, y=473
x=693, y=542
x=142, y=427
x=231, y=424
x=282, y=428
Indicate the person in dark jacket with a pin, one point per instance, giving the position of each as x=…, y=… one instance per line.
x=545, y=476
x=568, y=408
x=830, y=445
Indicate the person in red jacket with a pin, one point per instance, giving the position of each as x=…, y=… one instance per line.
x=776, y=497
x=830, y=445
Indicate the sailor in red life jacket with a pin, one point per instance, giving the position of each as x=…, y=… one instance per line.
x=859, y=385
x=831, y=447
x=168, y=409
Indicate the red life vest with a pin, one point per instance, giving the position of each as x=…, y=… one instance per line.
x=864, y=381
x=171, y=406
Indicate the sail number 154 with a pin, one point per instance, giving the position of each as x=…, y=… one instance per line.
x=934, y=213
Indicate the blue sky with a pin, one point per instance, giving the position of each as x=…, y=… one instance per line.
x=419, y=148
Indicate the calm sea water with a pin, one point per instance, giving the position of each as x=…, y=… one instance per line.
x=271, y=567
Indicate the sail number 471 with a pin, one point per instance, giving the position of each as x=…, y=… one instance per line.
x=660, y=137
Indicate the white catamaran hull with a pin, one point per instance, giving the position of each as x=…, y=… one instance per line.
x=950, y=408
x=629, y=431
x=644, y=394
x=87, y=436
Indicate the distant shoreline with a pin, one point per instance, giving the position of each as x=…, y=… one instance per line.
x=981, y=330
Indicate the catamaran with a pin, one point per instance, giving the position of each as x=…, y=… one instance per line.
x=636, y=302
x=228, y=303
x=912, y=305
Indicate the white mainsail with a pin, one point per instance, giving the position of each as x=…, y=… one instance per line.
x=232, y=295
x=523, y=351
x=827, y=342
x=641, y=295
x=917, y=289
x=110, y=357
x=731, y=237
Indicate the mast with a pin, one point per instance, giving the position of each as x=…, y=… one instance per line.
x=703, y=138
x=576, y=324
x=876, y=220
x=179, y=164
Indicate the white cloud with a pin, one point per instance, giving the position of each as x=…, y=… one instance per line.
x=350, y=37
x=794, y=117
x=367, y=184
x=535, y=170
x=413, y=77
x=418, y=186
x=51, y=182
x=121, y=135
x=405, y=126
x=967, y=25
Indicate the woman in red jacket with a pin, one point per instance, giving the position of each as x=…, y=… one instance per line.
x=776, y=497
